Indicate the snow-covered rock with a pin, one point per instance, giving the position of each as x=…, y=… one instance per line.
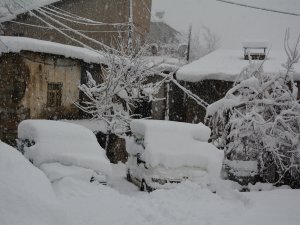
x=65, y=143
x=26, y=195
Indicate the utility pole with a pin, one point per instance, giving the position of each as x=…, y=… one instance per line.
x=130, y=25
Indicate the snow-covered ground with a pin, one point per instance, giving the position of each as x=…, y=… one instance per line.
x=187, y=203
x=25, y=197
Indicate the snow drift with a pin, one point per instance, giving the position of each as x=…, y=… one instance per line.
x=26, y=195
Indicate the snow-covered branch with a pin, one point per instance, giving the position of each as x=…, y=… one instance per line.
x=259, y=120
x=124, y=86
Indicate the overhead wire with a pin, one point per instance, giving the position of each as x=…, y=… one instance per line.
x=78, y=22
x=259, y=8
x=58, y=30
x=47, y=27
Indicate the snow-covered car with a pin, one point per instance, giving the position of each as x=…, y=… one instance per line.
x=165, y=152
x=62, y=149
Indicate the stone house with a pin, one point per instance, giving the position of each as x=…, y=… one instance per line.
x=39, y=80
x=111, y=19
x=213, y=75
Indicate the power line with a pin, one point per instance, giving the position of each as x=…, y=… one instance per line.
x=57, y=29
x=42, y=12
x=49, y=28
x=46, y=10
x=260, y=8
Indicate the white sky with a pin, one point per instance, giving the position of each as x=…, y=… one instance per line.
x=233, y=23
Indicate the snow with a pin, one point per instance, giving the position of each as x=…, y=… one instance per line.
x=227, y=65
x=186, y=203
x=174, y=144
x=57, y=171
x=18, y=7
x=121, y=203
x=65, y=143
x=255, y=44
x=164, y=63
x=26, y=195
x=93, y=124
x=198, y=132
x=224, y=103
x=242, y=168
x=18, y=44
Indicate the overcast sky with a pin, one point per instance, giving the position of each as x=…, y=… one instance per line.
x=233, y=23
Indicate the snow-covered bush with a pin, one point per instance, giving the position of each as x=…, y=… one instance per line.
x=259, y=120
x=124, y=86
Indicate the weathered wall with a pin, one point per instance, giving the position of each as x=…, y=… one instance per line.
x=45, y=69
x=14, y=76
x=142, y=16
x=107, y=11
x=23, y=89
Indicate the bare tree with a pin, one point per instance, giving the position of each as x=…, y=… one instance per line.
x=204, y=42
x=124, y=85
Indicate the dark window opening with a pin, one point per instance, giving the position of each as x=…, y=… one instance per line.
x=54, y=94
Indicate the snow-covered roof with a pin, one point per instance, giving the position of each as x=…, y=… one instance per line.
x=165, y=63
x=10, y=9
x=17, y=44
x=226, y=65
x=174, y=144
x=162, y=33
x=255, y=44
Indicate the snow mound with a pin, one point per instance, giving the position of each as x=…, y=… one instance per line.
x=26, y=195
x=174, y=144
x=65, y=143
x=198, y=132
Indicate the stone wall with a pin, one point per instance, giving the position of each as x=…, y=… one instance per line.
x=24, y=82
x=44, y=69
x=14, y=76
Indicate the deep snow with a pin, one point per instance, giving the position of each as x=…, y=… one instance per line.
x=26, y=195
x=186, y=204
